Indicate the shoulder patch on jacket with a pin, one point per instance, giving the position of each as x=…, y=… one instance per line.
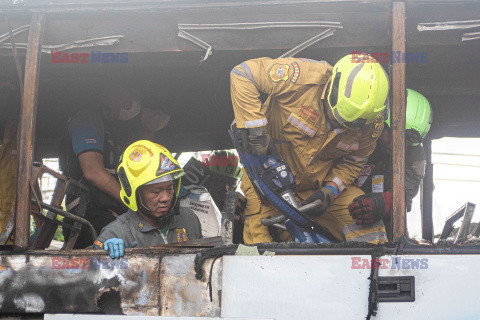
x=98, y=243
x=181, y=235
x=279, y=72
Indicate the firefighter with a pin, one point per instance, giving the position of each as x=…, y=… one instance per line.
x=376, y=178
x=324, y=122
x=8, y=152
x=92, y=147
x=150, y=182
x=225, y=173
x=9, y=114
x=205, y=186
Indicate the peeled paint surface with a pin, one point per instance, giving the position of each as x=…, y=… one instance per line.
x=182, y=294
x=148, y=281
x=143, y=283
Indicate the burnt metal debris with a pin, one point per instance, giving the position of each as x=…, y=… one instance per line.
x=148, y=284
x=77, y=283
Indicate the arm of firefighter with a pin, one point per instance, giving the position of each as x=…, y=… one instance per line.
x=272, y=77
x=347, y=169
x=114, y=238
x=93, y=170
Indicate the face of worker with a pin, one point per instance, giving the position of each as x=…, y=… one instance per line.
x=118, y=99
x=385, y=139
x=157, y=198
x=328, y=112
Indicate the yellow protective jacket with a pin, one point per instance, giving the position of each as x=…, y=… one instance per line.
x=8, y=172
x=295, y=117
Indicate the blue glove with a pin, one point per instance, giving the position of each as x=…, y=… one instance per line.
x=115, y=246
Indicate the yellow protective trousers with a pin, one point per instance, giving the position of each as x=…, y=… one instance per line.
x=336, y=218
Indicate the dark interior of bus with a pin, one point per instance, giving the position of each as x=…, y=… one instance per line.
x=170, y=75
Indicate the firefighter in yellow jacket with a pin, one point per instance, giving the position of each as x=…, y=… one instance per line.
x=324, y=122
x=8, y=152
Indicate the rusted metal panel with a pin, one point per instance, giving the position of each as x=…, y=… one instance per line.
x=181, y=294
x=198, y=243
x=27, y=131
x=107, y=317
x=79, y=284
x=398, y=123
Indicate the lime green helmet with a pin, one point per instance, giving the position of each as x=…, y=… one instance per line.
x=418, y=119
x=142, y=163
x=225, y=163
x=358, y=91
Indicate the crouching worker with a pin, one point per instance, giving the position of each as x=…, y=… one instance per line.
x=376, y=178
x=150, y=179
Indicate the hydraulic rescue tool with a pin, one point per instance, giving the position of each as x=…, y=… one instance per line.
x=273, y=180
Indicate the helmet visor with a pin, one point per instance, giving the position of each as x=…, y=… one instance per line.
x=165, y=178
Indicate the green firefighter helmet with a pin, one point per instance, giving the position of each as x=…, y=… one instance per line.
x=225, y=163
x=418, y=119
x=358, y=91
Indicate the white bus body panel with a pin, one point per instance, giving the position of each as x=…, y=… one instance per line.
x=334, y=287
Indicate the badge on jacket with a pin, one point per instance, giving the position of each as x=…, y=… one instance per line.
x=279, y=72
x=181, y=235
x=296, y=72
x=377, y=130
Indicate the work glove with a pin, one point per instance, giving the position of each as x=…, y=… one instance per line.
x=325, y=195
x=258, y=141
x=371, y=207
x=115, y=246
x=413, y=137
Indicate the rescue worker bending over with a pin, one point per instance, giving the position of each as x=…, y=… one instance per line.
x=376, y=177
x=150, y=180
x=326, y=122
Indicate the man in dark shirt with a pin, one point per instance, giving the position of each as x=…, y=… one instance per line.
x=93, y=146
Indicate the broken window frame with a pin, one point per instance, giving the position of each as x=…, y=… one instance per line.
x=29, y=107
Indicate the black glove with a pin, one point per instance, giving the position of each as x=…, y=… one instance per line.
x=370, y=208
x=259, y=141
x=413, y=137
x=325, y=195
